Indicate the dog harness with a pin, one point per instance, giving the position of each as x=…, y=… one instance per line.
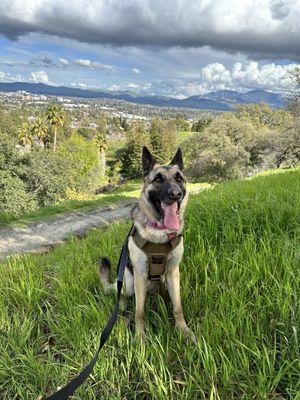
x=157, y=253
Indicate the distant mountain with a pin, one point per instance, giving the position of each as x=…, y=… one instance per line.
x=221, y=100
x=254, y=96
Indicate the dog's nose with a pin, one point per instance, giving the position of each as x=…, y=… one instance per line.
x=174, y=194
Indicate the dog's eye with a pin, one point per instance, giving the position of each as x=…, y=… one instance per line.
x=179, y=178
x=158, y=179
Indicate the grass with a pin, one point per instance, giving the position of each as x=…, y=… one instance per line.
x=128, y=191
x=240, y=288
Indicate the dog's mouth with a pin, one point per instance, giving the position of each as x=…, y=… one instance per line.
x=170, y=212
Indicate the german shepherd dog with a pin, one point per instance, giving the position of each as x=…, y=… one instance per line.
x=158, y=214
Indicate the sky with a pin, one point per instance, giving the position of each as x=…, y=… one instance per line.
x=175, y=48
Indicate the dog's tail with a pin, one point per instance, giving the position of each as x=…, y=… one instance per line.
x=103, y=273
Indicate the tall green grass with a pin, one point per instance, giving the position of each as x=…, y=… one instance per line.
x=240, y=290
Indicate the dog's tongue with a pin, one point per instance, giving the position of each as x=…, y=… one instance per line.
x=171, y=220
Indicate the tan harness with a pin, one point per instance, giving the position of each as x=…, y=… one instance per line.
x=157, y=253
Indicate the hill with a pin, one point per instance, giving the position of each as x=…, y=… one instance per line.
x=223, y=100
x=240, y=285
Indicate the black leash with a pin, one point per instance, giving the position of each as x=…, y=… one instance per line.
x=74, y=384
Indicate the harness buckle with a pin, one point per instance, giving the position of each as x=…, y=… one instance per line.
x=154, y=277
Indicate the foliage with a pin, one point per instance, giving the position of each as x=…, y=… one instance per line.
x=234, y=144
x=181, y=125
x=55, y=116
x=222, y=151
x=47, y=176
x=14, y=196
x=39, y=130
x=288, y=147
x=25, y=135
x=130, y=155
x=262, y=115
x=9, y=119
x=81, y=163
x=201, y=124
x=163, y=139
x=240, y=289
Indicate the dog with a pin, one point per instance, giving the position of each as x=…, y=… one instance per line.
x=157, y=217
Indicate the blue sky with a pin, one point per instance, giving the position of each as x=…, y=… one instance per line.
x=175, y=48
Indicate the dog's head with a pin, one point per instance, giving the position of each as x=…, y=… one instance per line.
x=164, y=188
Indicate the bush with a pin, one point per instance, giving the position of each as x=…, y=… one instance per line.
x=215, y=158
x=201, y=124
x=81, y=162
x=222, y=151
x=47, y=176
x=14, y=198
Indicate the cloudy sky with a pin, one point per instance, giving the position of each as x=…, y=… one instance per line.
x=172, y=47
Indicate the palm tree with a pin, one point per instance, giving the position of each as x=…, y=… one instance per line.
x=102, y=145
x=25, y=136
x=56, y=117
x=39, y=130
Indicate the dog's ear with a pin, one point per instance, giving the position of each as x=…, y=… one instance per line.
x=148, y=161
x=177, y=159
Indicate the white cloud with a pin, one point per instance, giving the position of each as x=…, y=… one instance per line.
x=115, y=88
x=39, y=77
x=94, y=65
x=132, y=85
x=268, y=76
x=63, y=61
x=7, y=77
x=136, y=71
x=215, y=76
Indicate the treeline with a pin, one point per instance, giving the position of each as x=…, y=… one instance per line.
x=237, y=144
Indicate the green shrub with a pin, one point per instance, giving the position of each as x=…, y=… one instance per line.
x=46, y=176
x=14, y=198
x=81, y=163
x=222, y=151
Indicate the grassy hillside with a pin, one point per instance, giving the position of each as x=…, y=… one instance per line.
x=240, y=289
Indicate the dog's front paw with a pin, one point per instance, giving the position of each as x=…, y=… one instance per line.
x=191, y=336
x=188, y=334
x=140, y=334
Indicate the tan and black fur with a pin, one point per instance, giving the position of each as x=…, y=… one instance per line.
x=161, y=184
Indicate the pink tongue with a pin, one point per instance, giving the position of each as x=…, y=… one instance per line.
x=171, y=220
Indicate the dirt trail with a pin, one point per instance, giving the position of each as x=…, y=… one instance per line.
x=41, y=236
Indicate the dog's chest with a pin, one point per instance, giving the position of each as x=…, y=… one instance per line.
x=153, y=260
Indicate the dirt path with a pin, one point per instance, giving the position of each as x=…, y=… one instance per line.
x=45, y=234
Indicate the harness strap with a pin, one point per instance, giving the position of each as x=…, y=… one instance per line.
x=69, y=389
x=157, y=253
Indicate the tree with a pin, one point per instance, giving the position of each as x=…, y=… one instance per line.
x=222, y=151
x=201, y=124
x=182, y=125
x=294, y=97
x=39, y=130
x=25, y=135
x=101, y=142
x=81, y=163
x=163, y=140
x=56, y=118
x=130, y=155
